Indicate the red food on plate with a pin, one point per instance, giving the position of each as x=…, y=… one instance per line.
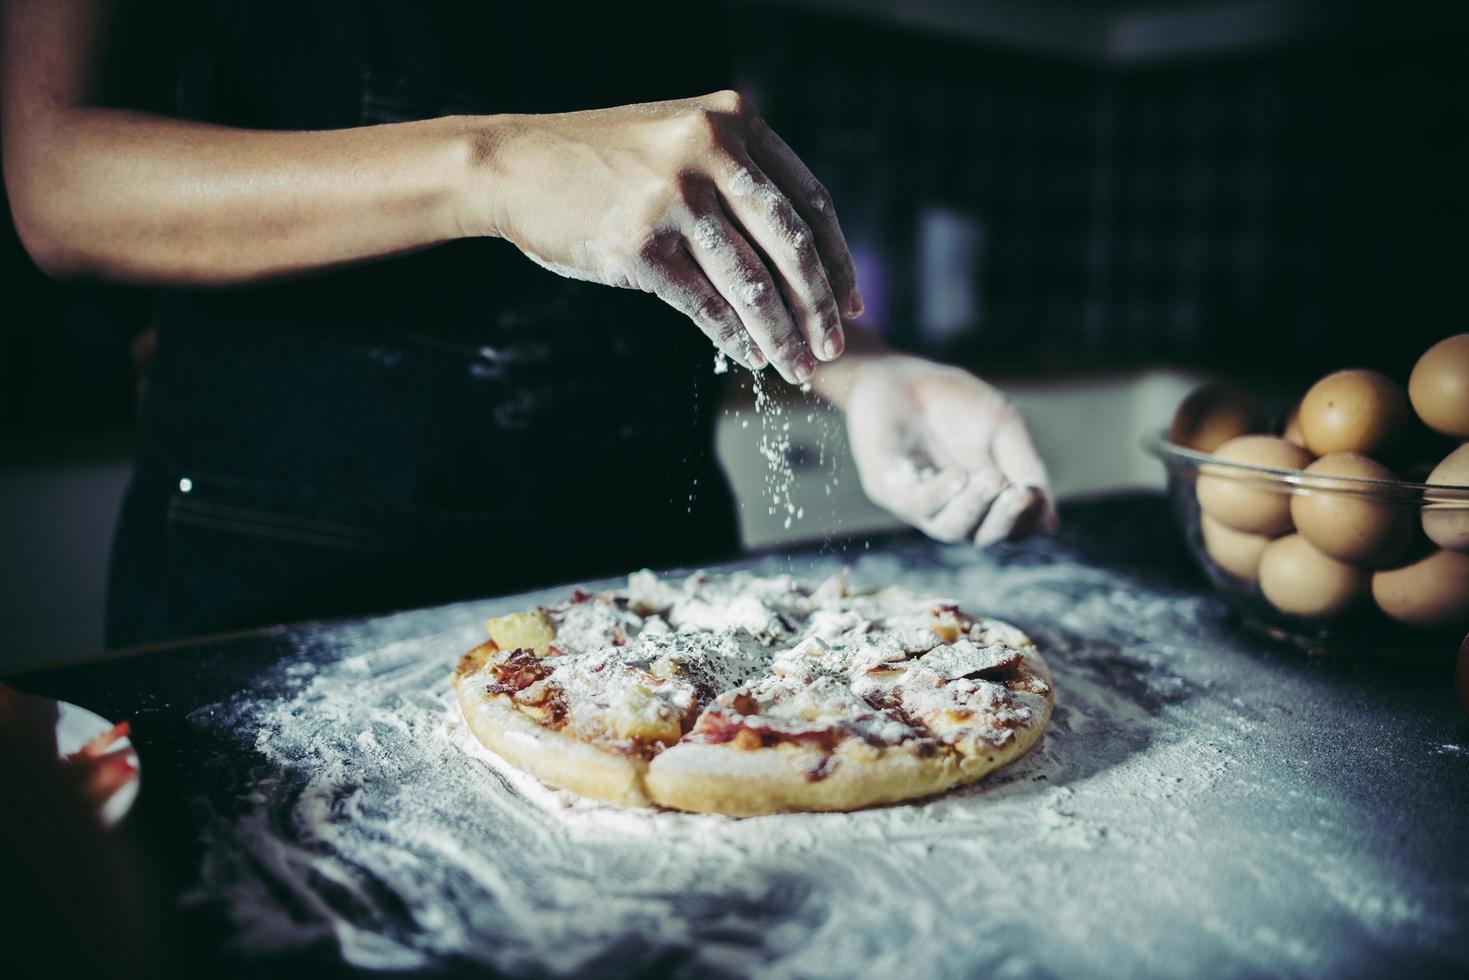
x=101, y=771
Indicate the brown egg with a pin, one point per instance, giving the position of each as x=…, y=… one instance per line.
x=1212, y=415
x=1447, y=522
x=1353, y=412
x=1237, y=552
x=1430, y=592
x=1245, y=501
x=1292, y=432
x=1439, y=387
x=1347, y=524
x=1299, y=580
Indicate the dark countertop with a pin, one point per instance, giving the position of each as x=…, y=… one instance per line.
x=1203, y=804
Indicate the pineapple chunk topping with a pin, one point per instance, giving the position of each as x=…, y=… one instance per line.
x=523, y=631
x=644, y=717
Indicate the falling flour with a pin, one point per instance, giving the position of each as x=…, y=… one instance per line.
x=1140, y=837
x=775, y=447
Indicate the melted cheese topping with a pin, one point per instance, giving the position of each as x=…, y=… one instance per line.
x=634, y=668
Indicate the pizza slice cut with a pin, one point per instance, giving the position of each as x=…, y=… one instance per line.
x=744, y=695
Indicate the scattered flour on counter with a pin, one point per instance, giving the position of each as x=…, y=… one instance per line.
x=378, y=824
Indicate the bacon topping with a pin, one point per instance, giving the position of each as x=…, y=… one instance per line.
x=555, y=709
x=822, y=769
x=719, y=726
x=517, y=672
x=887, y=702
x=1029, y=683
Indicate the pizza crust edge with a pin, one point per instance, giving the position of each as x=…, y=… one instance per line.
x=551, y=756
x=706, y=778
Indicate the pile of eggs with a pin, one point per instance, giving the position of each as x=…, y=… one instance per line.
x=1329, y=548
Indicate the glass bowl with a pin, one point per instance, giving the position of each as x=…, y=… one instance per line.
x=1430, y=601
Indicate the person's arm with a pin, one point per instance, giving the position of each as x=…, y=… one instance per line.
x=696, y=200
x=937, y=446
x=128, y=196
x=834, y=381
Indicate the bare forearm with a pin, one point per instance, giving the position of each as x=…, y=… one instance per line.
x=833, y=380
x=695, y=200
x=135, y=197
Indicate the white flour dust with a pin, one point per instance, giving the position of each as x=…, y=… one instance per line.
x=784, y=454
x=379, y=826
x=775, y=447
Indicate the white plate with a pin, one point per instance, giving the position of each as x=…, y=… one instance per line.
x=75, y=727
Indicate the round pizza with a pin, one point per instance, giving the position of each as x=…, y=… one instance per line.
x=746, y=695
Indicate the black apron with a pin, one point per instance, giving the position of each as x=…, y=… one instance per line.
x=453, y=423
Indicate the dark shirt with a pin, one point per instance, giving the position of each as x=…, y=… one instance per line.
x=450, y=423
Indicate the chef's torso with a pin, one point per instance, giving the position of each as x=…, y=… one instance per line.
x=452, y=422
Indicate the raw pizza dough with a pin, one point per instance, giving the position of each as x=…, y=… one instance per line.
x=745, y=695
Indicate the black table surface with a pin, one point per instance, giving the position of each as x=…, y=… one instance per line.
x=1125, y=620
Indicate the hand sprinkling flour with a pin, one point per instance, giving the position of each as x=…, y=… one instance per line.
x=697, y=201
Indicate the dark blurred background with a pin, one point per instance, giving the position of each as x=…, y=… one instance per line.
x=1267, y=189
x=1276, y=186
